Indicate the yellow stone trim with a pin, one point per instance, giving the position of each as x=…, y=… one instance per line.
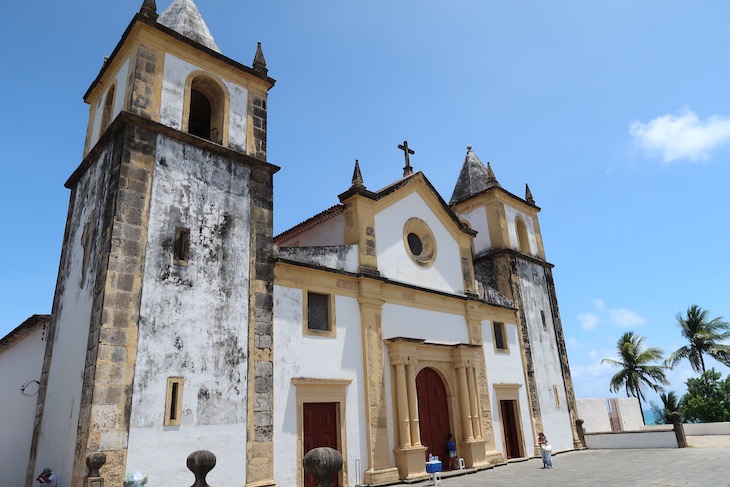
x=322, y=390
x=173, y=399
x=360, y=230
x=510, y=392
x=420, y=229
x=185, y=126
x=505, y=340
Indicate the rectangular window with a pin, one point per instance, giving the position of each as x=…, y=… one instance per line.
x=173, y=401
x=557, y=397
x=544, y=323
x=182, y=246
x=499, y=338
x=318, y=310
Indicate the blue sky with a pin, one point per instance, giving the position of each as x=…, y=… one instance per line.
x=617, y=113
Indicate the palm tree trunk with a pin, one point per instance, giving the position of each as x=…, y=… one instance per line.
x=643, y=419
x=702, y=361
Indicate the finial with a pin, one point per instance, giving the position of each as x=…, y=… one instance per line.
x=407, y=170
x=468, y=148
x=357, y=181
x=528, y=195
x=149, y=9
x=259, y=62
x=491, y=178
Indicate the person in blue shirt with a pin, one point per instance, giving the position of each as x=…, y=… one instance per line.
x=451, y=447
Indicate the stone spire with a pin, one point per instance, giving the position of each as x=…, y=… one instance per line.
x=259, y=62
x=149, y=9
x=473, y=178
x=183, y=17
x=528, y=195
x=357, y=181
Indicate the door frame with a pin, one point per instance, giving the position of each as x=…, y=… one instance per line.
x=322, y=390
x=510, y=392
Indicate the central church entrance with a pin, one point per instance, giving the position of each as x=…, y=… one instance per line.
x=433, y=413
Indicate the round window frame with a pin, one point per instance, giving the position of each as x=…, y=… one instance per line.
x=421, y=230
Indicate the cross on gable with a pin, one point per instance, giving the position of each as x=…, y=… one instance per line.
x=407, y=152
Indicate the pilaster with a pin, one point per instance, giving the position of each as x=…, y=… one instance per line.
x=360, y=230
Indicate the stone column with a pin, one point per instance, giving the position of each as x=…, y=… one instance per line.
x=413, y=403
x=475, y=419
x=464, y=402
x=402, y=401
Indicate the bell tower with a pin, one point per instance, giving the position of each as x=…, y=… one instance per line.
x=161, y=333
x=510, y=257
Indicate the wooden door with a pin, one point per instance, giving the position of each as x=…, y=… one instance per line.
x=510, y=429
x=433, y=413
x=320, y=429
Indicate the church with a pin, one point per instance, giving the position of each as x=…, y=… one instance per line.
x=180, y=322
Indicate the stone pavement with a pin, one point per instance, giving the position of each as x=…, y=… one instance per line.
x=666, y=467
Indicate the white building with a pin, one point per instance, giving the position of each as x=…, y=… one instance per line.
x=381, y=325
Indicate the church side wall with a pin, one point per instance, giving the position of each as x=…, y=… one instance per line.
x=395, y=263
x=545, y=355
x=19, y=364
x=502, y=369
x=313, y=357
x=194, y=318
x=71, y=320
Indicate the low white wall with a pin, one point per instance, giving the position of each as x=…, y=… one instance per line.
x=701, y=429
x=632, y=439
x=594, y=414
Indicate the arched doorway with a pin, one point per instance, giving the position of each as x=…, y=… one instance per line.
x=433, y=413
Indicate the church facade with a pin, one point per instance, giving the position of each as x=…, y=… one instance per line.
x=377, y=327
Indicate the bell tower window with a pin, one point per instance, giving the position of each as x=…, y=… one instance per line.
x=523, y=241
x=206, y=111
x=106, y=114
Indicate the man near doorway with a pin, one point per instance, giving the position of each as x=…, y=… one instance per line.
x=451, y=447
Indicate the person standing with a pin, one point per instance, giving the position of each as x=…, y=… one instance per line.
x=451, y=447
x=47, y=478
x=545, y=449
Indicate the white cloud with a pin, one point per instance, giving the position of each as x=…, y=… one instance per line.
x=625, y=318
x=588, y=321
x=681, y=136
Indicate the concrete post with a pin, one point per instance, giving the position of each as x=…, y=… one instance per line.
x=322, y=463
x=200, y=463
x=95, y=461
x=678, y=430
x=581, y=432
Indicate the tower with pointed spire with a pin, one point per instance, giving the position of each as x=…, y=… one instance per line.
x=509, y=256
x=162, y=310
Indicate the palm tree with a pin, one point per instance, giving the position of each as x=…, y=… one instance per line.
x=670, y=403
x=703, y=335
x=636, y=369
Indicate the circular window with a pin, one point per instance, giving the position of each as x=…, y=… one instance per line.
x=419, y=242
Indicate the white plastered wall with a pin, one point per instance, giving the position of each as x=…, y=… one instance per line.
x=511, y=215
x=330, y=232
x=477, y=220
x=432, y=326
x=193, y=319
x=57, y=441
x=19, y=364
x=505, y=368
x=394, y=261
x=305, y=356
x=545, y=356
x=175, y=75
x=121, y=87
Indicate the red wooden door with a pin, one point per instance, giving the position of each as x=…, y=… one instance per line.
x=320, y=429
x=433, y=413
x=509, y=426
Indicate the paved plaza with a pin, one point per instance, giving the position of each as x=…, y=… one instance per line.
x=666, y=467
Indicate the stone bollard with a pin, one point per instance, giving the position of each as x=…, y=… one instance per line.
x=581, y=432
x=95, y=461
x=201, y=463
x=678, y=430
x=322, y=463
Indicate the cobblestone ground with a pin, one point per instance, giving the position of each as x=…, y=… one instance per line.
x=624, y=468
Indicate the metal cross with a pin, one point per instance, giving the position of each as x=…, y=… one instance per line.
x=404, y=147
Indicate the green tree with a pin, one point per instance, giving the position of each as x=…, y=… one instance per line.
x=636, y=368
x=707, y=399
x=704, y=336
x=670, y=403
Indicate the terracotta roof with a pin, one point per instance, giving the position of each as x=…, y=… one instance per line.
x=307, y=225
